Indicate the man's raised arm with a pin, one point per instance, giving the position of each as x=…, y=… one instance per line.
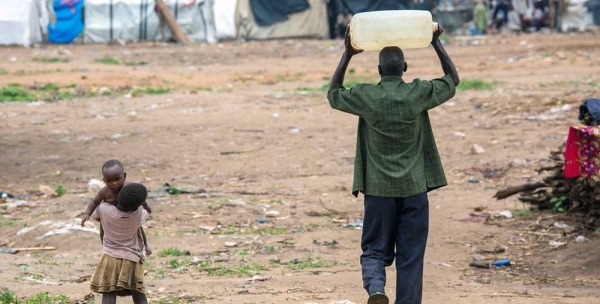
x=447, y=64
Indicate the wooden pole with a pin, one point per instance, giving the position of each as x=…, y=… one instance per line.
x=35, y=248
x=175, y=29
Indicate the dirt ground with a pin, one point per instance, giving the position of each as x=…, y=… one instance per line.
x=250, y=124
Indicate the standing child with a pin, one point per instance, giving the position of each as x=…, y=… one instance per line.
x=114, y=176
x=120, y=271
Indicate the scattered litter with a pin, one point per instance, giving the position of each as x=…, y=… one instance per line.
x=259, y=279
x=460, y=135
x=12, y=59
x=506, y=213
x=263, y=220
x=231, y=244
x=580, y=239
x=480, y=264
x=478, y=257
x=272, y=213
x=40, y=281
x=500, y=263
x=94, y=185
x=14, y=203
x=207, y=228
x=64, y=228
x=339, y=221
x=78, y=279
x=477, y=149
x=357, y=224
x=294, y=130
x=555, y=244
x=561, y=225
x=442, y=264
x=276, y=115
x=8, y=250
x=498, y=249
x=473, y=180
x=482, y=280
x=480, y=208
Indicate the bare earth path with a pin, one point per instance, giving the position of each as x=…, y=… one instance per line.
x=250, y=124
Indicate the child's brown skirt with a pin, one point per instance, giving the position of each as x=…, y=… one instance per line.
x=118, y=275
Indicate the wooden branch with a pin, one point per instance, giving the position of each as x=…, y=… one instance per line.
x=35, y=248
x=240, y=152
x=175, y=29
x=504, y=193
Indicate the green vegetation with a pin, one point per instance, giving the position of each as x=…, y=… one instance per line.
x=51, y=59
x=309, y=262
x=9, y=297
x=5, y=223
x=3, y=72
x=151, y=91
x=60, y=190
x=108, y=60
x=523, y=213
x=475, y=84
x=243, y=269
x=172, y=251
x=560, y=203
x=14, y=92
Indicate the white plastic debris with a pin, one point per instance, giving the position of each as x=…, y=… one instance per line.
x=477, y=149
x=555, y=244
x=506, y=214
x=94, y=185
x=272, y=213
x=580, y=239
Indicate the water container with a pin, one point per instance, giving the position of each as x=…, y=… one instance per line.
x=404, y=28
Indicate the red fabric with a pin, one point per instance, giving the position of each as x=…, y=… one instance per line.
x=582, y=153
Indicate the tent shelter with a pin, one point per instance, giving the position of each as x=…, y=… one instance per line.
x=224, y=15
x=136, y=20
x=309, y=23
x=23, y=22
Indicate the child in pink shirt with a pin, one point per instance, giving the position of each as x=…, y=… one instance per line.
x=120, y=271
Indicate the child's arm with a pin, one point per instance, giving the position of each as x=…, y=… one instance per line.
x=147, y=207
x=92, y=206
x=148, y=250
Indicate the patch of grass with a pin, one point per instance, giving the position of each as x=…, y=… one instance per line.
x=523, y=213
x=268, y=249
x=108, y=60
x=151, y=91
x=243, y=269
x=274, y=231
x=50, y=59
x=7, y=296
x=308, y=262
x=14, y=92
x=233, y=230
x=3, y=72
x=6, y=223
x=60, y=190
x=136, y=63
x=475, y=84
x=172, y=251
x=351, y=71
x=205, y=89
x=175, y=263
x=242, y=252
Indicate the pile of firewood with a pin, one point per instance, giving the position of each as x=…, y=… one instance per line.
x=577, y=195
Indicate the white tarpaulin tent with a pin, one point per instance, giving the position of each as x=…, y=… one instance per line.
x=23, y=22
x=136, y=20
x=576, y=17
x=311, y=23
x=224, y=16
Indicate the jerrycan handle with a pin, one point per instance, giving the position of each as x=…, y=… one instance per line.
x=434, y=26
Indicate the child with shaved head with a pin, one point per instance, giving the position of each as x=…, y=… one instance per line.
x=114, y=176
x=120, y=271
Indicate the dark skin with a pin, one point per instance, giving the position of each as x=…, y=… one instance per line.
x=447, y=64
x=111, y=297
x=115, y=179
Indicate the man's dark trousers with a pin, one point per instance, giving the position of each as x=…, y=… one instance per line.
x=401, y=224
